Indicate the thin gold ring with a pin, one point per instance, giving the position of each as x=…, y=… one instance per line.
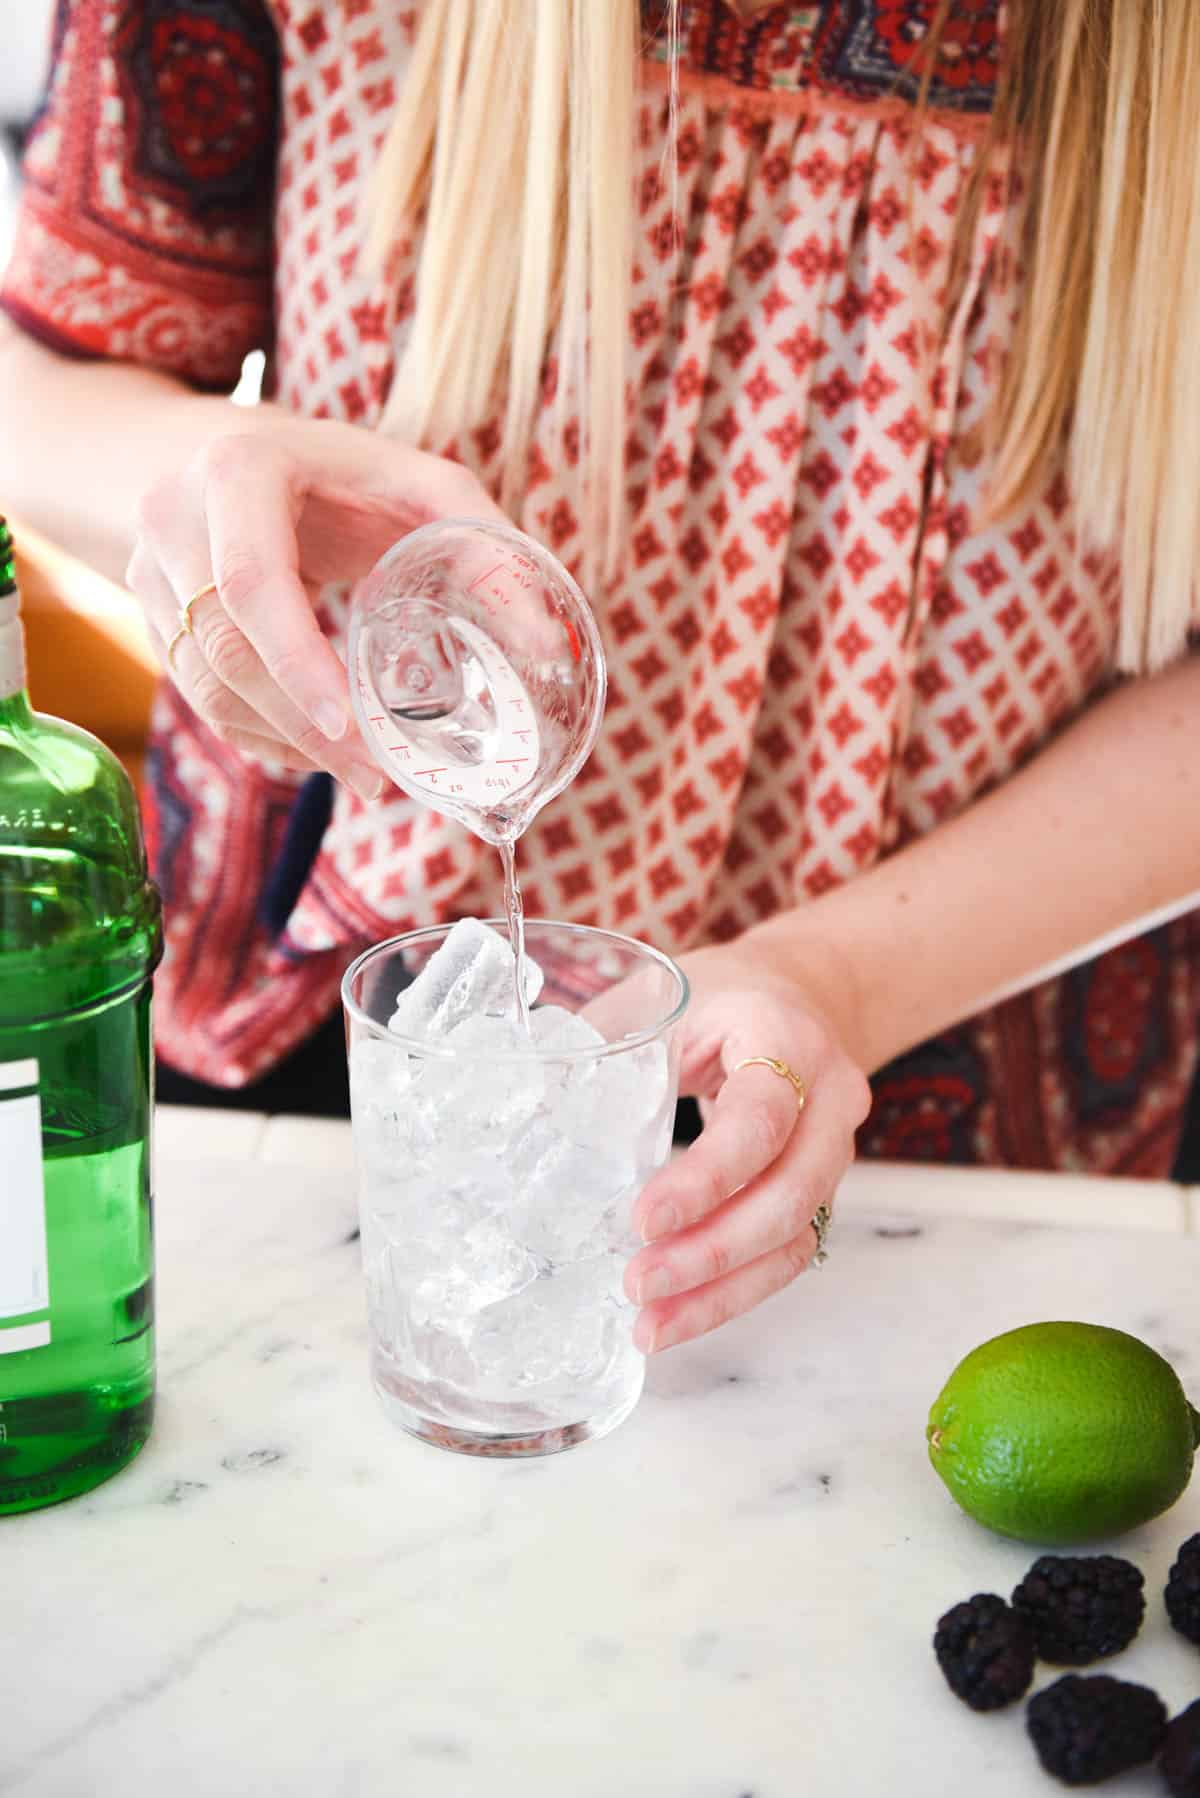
x=185, y=610
x=777, y=1067
x=173, y=645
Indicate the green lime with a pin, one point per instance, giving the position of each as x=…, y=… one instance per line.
x=1060, y=1433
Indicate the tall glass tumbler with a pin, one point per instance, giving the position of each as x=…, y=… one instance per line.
x=496, y=1186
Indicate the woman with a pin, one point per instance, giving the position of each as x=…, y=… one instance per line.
x=870, y=423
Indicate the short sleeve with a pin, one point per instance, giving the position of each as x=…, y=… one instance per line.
x=145, y=227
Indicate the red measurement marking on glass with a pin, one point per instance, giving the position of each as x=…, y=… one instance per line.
x=480, y=578
x=493, y=592
x=426, y=773
x=572, y=639
x=511, y=761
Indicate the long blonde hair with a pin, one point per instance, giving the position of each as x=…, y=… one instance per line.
x=513, y=149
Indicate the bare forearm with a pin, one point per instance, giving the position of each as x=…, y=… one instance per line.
x=1100, y=829
x=87, y=439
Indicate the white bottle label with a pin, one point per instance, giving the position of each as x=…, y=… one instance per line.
x=24, y=1289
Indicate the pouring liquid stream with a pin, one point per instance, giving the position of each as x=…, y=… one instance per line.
x=514, y=912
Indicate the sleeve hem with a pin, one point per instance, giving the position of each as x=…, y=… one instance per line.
x=72, y=295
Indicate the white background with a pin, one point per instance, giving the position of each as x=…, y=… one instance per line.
x=25, y=37
x=24, y=32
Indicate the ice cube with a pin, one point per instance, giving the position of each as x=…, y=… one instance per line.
x=438, y=1203
x=567, y=1329
x=470, y=974
x=631, y=1085
x=572, y=1199
x=612, y=1102
x=380, y=1080
x=494, y=1264
x=513, y=1348
x=443, y=1357
x=479, y=1099
x=554, y=1027
x=622, y=1091
x=594, y=1326
x=381, y=1069
x=485, y=1266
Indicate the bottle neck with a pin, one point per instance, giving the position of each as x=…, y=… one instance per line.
x=12, y=651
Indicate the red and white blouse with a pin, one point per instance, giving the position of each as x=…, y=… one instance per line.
x=815, y=652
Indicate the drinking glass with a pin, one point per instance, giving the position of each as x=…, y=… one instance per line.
x=496, y=1186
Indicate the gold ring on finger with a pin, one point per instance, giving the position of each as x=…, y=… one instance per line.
x=173, y=645
x=185, y=610
x=782, y=1069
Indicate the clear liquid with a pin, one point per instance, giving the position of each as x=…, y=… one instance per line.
x=514, y=911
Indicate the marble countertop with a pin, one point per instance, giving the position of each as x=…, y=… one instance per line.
x=733, y=1595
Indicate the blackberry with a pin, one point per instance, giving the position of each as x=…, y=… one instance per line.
x=1087, y=1729
x=986, y=1652
x=1183, y=1591
x=1180, y=1760
x=1081, y=1607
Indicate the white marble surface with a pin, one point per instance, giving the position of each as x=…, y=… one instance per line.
x=732, y=1595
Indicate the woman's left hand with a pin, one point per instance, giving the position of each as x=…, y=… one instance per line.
x=730, y=1221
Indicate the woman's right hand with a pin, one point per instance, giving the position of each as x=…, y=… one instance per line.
x=271, y=512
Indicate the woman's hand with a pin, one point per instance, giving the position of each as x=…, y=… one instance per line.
x=270, y=513
x=730, y=1221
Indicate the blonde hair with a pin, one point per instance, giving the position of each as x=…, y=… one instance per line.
x=513, y=148
x=514, y=139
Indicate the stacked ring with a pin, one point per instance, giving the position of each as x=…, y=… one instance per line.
x=822, y=1217
x=185, y=618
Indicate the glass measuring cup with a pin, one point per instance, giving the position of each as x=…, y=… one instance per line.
x=476, y=673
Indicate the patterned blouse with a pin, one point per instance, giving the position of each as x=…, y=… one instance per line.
x=815, y=654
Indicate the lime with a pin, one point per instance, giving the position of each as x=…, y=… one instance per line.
x=1063, y=1432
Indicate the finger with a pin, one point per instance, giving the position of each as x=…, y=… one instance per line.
x=752, y=1119
x=240, y=735
x=156, y=596
x=232, y=662
x=183, y=656
x=251, y=513
x=222, y=677
x=706, y=1308
x=222, y=710
x=219, y=706
x=774, y=1209
x=270, y=751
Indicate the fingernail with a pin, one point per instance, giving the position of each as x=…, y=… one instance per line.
x=657, y=1284
x=367, y=782
x=645, y=1336
x=663, y=1220
x=331, y=721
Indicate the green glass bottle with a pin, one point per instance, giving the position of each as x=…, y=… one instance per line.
x=80, y=935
